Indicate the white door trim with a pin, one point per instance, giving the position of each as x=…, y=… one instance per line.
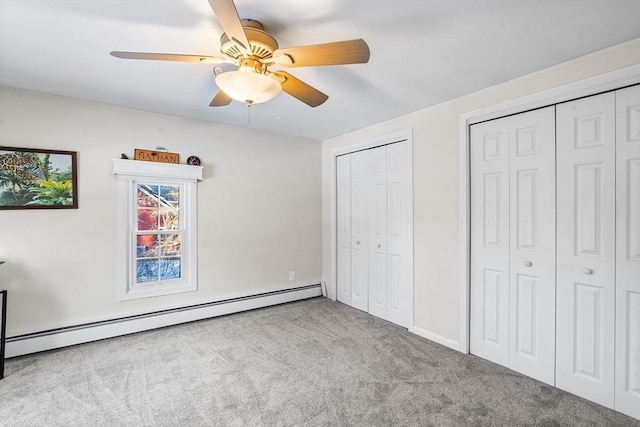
x=390, y=138
x=591, y=86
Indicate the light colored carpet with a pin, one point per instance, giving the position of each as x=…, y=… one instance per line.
x=309, y=363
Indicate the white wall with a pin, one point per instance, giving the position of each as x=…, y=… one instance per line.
x=436, y=183
x=258, y=211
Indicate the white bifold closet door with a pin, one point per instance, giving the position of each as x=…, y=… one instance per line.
x=378, y=264
x=627, y=372
x=360, y=230
x=373, y=258
x=586, y=247
x=353, y=229
x=399, y=239
x=513, y=242
x=343, y=226
x=593, y=295
x=598, y=284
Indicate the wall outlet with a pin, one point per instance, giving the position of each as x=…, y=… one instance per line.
x=292, y=275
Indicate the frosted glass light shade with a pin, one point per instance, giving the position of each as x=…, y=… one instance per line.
x=248, y=87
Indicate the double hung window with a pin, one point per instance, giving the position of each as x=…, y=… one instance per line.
x=159, y=236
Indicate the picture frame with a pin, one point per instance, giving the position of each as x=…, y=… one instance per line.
x=35, y=178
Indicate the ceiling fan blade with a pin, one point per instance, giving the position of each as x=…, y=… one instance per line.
x=228, y=16
x=220, y=100
x=169, y=57
x=336, y=53
x=299, y=89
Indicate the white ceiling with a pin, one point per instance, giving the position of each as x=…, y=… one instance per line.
x=422, y=52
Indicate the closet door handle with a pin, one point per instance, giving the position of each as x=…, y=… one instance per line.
x=588, y=271
x=528, y=263
x=357, y=242
x=379, y=245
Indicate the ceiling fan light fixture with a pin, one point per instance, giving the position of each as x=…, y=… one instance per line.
x=248, y=86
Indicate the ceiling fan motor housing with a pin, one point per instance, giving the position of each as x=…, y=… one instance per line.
x=262, y=44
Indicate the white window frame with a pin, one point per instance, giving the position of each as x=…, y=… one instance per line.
x=130, y=173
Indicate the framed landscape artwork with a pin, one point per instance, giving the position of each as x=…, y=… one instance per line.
x=38, y=179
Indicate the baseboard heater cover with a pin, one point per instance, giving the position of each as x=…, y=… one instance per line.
x=71, y=335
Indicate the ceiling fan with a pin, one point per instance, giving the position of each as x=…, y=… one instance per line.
x=252, y=50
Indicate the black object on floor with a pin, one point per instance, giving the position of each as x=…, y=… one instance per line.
x=3, y=331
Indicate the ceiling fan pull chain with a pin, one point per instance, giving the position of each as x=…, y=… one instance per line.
x=248, y=114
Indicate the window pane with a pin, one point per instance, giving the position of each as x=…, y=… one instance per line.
x=170, y=244
x=147, y=219
x=169, y=219
x=147, y=246
x=160, y=219
x=170, y=195
x=169, y=268
x=146, y=270
x=147, y=195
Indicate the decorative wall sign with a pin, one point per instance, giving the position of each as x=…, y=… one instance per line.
x=32, y=178
x=156, y=156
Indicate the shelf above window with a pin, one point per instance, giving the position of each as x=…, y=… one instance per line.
x=139, y=168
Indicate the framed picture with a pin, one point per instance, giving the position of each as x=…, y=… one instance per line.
x=38, y=179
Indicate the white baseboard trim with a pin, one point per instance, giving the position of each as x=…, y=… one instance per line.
x=72, y=335
x=455, y=345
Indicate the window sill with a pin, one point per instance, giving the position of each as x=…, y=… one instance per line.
x=158, y=291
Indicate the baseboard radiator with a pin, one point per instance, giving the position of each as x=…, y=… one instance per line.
x=71, y=335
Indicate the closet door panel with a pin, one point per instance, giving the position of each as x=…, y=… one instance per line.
x=586, y=247
x=359, y=230
x=398, y=233
x=343, y=184
x=490, y=241
x=532, y=244
x=378, y=268
x=627, y=389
